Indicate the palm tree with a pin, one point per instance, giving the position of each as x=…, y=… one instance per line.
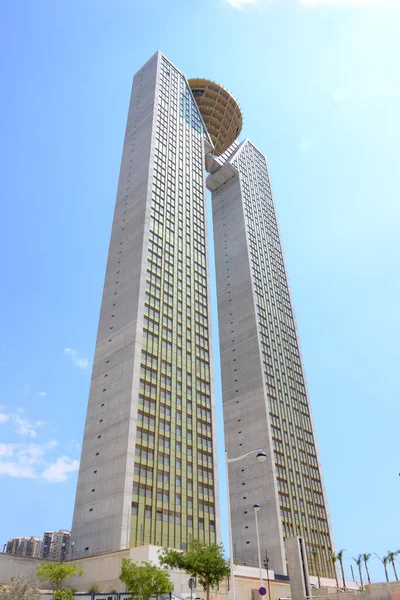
x=314, y=554
x=385, y=564
x=358, y=562
x=366, y=558
x=340, y=559
x=333, y=558
x=391, y=557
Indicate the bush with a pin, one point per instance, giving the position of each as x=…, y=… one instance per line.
x=63, y=594
x=19, y=589
x=94, y=589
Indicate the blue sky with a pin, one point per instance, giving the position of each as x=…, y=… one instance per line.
x=319, y=85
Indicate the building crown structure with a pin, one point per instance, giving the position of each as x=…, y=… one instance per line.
x=220, y=111
x=148, y=472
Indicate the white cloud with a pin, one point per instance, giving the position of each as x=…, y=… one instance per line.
x=16, y=470
x=29, y=461
x=21, y=425
x=33, y=454
x=42, y=394
x=4, y=417
x=32, y=460
x=24, y=426
x=58, y=471
x=239, y=4
x=7, y=449
x=345, y=2
x=80, y=362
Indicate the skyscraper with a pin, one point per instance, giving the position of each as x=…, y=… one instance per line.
x=265, y=398
x=148, y=470
x=56, y=545
x=25, y=546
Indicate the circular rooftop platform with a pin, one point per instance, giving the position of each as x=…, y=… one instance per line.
x=220, y=111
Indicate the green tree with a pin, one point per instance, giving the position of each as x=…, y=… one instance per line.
x=358, y=562
x=56, y=572
x=314, y=554
x=385, y=562
x=144, y=580
x=391, y=558
x=340, y=559
x=206, y=563
x=366, y=558
x=333, y=558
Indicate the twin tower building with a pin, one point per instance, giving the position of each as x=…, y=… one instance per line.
x=148, y=472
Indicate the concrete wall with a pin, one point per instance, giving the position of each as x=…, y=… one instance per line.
x=298, y=568
x=102, y=513
x=14, y=566
x=328, y=586
x=381, y=591
x=102, y=517
x=104, y=571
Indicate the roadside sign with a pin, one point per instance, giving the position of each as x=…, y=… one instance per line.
x=192, y=583
x=262, y=591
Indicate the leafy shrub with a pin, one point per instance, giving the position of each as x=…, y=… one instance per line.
x=63, y=594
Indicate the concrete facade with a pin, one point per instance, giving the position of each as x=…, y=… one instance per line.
x=298, y=568
x=265, y=397
x=101, y=519
x=244, y=396
x=152, y=357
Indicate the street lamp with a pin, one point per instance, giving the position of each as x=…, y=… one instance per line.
x=260, y=457
x=256, y=509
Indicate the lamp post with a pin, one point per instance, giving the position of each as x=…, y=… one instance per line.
x=260, y=457
x=267, y=567
x=256, y=509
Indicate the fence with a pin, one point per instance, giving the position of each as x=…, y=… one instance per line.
x=373, y=592
x=109, y=596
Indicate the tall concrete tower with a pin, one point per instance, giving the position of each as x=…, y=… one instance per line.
x=265, y=399
x=148, y=470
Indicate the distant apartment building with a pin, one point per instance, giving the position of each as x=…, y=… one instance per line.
x=56, y=545
x=25, y=546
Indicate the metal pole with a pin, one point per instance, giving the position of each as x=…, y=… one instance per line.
x=267, y=561
x=230, y=530
x=259, y=550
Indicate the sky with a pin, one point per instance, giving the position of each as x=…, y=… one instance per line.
x=319, y=86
